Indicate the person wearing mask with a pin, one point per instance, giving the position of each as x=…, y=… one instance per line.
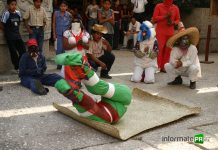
x=166, y=16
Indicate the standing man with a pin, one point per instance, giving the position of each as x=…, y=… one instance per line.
x=166, y=16
x=35, y=21
x=139, y=9
x=10, y=23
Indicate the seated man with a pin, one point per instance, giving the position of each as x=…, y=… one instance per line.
x=184, y=59
x=31, y=70
x=99, y=53
x=132, y=33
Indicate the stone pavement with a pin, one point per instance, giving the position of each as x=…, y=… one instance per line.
x=30, y=122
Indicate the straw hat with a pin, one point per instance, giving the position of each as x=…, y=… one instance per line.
x=100, y=28
x=192, y=32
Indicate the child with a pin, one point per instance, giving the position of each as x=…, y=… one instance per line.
x=31, y=70
x=10, y=23
x=61, y=22
x=106, y=18
x=145, y=60
x=35, y=21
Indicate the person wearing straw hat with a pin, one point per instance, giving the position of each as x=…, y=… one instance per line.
x=99, y=53
x=184, y=60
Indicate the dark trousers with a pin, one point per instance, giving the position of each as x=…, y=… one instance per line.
x=109, y=38
x=46, y=79
x=108, y=58
x=38, y=34
x=116, y=37
x=16, y=48
x=140, y=17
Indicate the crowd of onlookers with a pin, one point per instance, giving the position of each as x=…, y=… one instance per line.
x=102, y=28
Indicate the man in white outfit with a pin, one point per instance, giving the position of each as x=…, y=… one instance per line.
x=132, y=33
x=184, y=57
x=145, y=54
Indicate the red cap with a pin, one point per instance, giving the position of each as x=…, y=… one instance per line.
x=31, y=42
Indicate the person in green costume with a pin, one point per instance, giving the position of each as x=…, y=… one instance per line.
x=115, y=97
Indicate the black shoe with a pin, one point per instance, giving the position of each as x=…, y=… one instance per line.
x=59, y=67
x=40, y=88
x=177, y=81
x=106, y=76
x=192, y=85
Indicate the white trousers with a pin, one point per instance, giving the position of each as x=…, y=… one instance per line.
x=149, y=74
x=127, y=37
x=191, y=72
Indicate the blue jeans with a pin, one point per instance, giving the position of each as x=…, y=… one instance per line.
x=45, y=79
x=91, y=22
x=38, y=34
x=60, y=48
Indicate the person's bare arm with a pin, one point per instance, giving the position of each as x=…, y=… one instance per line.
x=101, y=19
x=108, y=46
x=96, y=60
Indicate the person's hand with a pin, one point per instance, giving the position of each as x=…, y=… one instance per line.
x=169, y=21
x=168, y=15
x=128, y=33
x=103, y=66
x=146, y=49
x=178, y=64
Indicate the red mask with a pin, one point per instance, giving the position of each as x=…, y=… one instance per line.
x=168, y=2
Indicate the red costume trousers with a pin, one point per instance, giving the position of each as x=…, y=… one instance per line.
x=164, y=52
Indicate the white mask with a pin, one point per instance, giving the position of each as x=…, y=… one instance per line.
x=75, y=27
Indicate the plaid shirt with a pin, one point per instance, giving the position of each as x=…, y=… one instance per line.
x=36, y=17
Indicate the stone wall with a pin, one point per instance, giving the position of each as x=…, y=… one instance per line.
x=22, y=5
x=200, y=17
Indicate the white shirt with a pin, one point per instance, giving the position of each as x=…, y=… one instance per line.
x=146, y=61
x=188, y=59
x=134, y=27
x=139, y=5
x=92, y=11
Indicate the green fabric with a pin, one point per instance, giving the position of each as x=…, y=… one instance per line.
x=79, y=96
x=100, y=88
x=62, y=86
x=91, y=72
x=69, y=59
x=122, y=94
x=120, y=108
